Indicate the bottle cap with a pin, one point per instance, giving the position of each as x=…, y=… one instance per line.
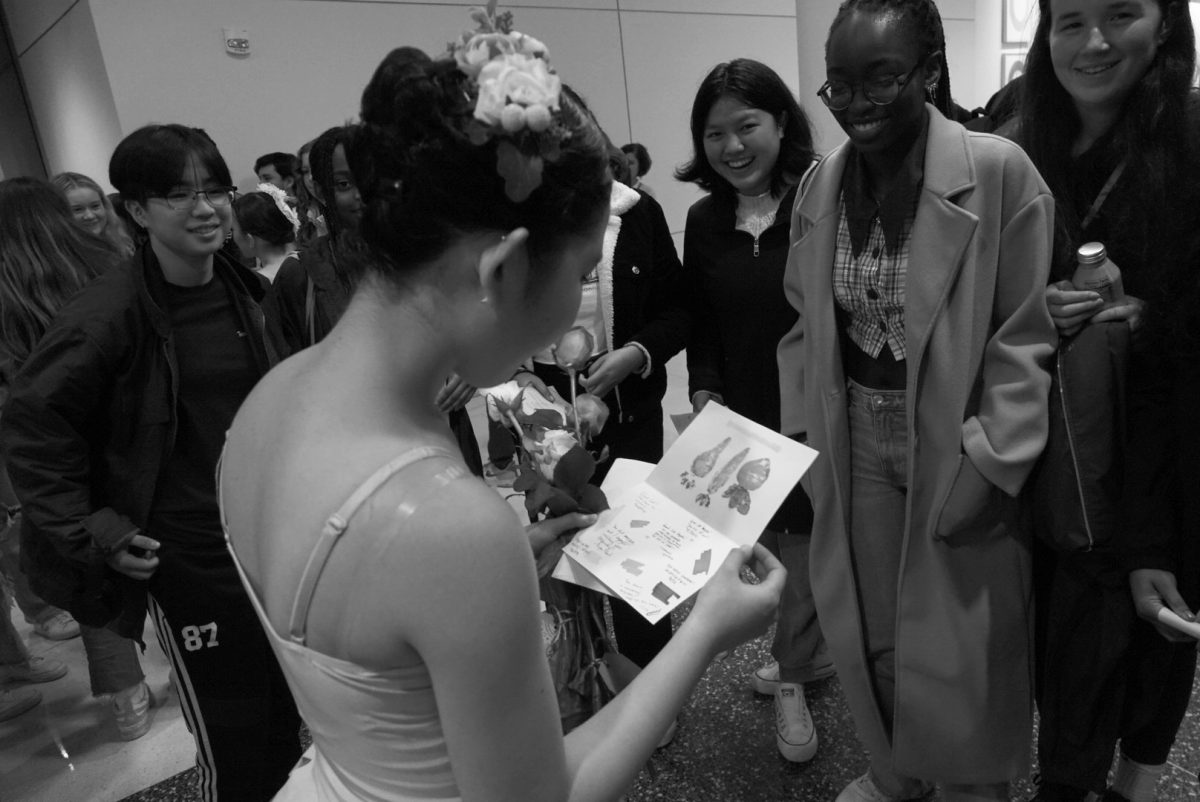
x=1091, y=253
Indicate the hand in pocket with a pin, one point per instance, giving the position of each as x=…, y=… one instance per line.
x=968, y=499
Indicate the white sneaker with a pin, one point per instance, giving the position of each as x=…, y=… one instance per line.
x=131, y=711
x=795, y=734
x=864, y=789
x=17, y=701
x=60, y=626
x=35, y=669
x=766, y=680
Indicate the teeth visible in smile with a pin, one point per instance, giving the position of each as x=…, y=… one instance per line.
x=869, y=125
x=205, y=229
x=1095, y=70
x=740, y=163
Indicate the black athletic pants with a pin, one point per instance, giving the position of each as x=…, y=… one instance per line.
x=235, y=700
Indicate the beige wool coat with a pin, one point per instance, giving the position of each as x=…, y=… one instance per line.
x=979, y=343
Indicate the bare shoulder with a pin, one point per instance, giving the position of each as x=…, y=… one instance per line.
x=464, y=556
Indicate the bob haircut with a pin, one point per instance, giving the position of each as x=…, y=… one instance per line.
x=641, y=154
x=759, y=87
x=152, y=160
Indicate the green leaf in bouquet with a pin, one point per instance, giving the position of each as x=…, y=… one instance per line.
x=574, y=470
x=527, y=479
x=560, y=503
x=592, y=499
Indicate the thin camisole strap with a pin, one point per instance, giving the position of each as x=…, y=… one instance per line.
x=335, y=525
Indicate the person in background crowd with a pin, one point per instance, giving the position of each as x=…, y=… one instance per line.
x=1107, y=117
x=433, y=590
x=278, y=169
x=112, y=433
x=312, y=221
x=918, y=370
x=751, y=143
x=45, y=259
x=93, y=210
x=633, y=307
x=638, y=159
x=264, y=228
x=312, y=291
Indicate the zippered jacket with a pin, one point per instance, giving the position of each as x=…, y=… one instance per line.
x=89, y=425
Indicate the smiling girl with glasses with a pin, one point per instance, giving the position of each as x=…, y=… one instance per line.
x=918, y=369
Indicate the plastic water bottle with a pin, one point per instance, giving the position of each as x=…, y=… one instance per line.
x=1094, y=271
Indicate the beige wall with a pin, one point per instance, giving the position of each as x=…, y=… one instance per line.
x=638, y=65
x=109, y=66
x=68, y=88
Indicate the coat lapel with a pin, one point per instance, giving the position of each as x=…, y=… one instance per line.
x=941, y=232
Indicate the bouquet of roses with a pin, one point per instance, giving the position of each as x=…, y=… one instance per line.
x=551, y=436
x=550, y=440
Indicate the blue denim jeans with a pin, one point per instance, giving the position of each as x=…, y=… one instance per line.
x=113, y=663
x=878, y=496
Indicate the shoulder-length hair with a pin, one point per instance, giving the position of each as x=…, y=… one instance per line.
x=759, y=87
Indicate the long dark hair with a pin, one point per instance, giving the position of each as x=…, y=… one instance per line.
x=1150, y=132
x=923, y=15
x=45, y=258
x=759, y=87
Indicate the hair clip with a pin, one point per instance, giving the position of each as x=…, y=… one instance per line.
x=280, y=197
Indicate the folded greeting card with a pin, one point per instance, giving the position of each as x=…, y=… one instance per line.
x=668, y=531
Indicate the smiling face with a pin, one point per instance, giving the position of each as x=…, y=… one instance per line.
x=187, y=237
x=88, y=208
x=867, y=47
x=741, y=144
x=1100, y=49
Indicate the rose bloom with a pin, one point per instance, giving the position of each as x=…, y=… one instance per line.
x=574, y=349
x=528, y=46
x=514, y=79
x=592, y=412
x=555, y=443
x=478, y=50
x=531, y=401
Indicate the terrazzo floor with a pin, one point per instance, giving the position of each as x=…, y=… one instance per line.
x=724, y=751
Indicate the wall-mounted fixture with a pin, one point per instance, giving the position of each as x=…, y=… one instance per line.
x=237, y=41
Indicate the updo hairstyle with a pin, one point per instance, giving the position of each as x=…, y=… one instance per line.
x=424, y=184
x=258, y=215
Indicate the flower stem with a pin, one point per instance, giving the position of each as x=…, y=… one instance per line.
x=578, y=436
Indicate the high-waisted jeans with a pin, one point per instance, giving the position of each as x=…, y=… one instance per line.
x=878, y=494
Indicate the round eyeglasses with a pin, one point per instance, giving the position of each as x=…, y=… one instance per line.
x=184, y=200
x=838, y=95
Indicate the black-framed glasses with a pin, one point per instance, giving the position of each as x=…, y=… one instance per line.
x=184, y=200
x=838, y=95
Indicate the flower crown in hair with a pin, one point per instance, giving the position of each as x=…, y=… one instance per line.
x=516, y=94
x=280, y=198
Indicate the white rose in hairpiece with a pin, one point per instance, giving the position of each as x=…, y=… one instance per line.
x=528, y=46
x=479, y=50
x=518, y=79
